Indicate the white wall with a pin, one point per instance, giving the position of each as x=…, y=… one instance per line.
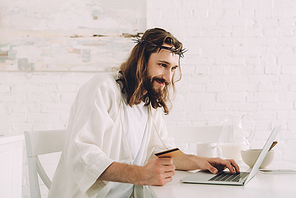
x=241, y=60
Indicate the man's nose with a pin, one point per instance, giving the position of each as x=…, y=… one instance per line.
x=168, y=75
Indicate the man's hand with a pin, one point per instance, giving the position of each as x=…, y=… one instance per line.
x=214, y=165
x=157, y=172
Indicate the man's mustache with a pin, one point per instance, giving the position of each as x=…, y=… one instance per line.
x=161, y=80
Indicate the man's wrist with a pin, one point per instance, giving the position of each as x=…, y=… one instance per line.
x=136, y=175
x=126, y=173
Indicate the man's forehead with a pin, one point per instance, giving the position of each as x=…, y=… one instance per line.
x=169, y=48
x=167, y=56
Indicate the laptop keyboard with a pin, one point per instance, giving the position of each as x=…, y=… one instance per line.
x=229, y=177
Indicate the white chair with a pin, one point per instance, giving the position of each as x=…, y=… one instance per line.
x=186, y=137
x=39, y=143
x=193, y=134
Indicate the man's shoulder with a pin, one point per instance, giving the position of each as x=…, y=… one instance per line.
x=103, y=83
x=102, y=80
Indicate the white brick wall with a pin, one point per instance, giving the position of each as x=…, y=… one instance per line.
x=241, y=60
x=38, y=100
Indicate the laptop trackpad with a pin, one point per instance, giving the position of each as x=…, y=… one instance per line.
x=200, y=176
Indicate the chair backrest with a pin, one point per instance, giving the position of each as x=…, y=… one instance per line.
x=193, y=134
x=39, y=143
x=186, y=137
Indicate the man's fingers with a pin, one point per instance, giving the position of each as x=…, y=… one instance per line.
x=219, y=164
x=165, y=160
x=159, y=171
x=168, y=179
x=165, y=181
x=167, y=166
x=212, y=169
x=233, y=163
x=169, y=174
x=167, y=163
x=222, y=164
x=232, y=166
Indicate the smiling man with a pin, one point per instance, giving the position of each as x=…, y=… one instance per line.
x=116, y=127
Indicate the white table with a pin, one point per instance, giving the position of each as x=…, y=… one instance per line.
x=261, y=186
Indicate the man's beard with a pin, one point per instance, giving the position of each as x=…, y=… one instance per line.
x=153, y=95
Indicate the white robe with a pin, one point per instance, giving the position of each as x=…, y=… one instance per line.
x=96, y=139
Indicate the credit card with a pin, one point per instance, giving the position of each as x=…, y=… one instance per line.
x=170, y=153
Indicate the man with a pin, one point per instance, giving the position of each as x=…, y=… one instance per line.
x=116, y=127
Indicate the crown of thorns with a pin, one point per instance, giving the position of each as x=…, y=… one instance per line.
x=172, y=49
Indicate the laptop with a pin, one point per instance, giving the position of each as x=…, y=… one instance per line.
x=227, y=178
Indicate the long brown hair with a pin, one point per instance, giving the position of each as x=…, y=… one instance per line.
x=133, y=71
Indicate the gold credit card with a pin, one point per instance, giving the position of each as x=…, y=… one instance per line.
x=170, y=153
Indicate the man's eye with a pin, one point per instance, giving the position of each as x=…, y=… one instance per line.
x=162, y=64
x=174, y=68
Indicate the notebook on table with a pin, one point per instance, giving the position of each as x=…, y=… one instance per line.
x=227, y=178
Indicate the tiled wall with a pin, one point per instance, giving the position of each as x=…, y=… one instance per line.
x=240, y=60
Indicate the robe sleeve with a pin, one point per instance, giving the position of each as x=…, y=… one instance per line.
x=90, y=125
